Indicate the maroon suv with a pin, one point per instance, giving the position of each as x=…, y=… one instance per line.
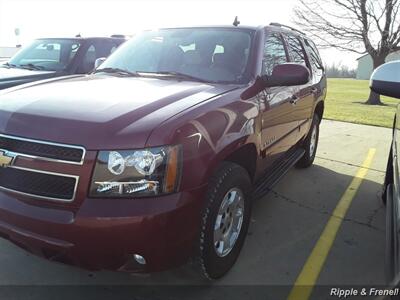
x=157, y=155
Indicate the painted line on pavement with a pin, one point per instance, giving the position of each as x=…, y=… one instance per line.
x=308, y=276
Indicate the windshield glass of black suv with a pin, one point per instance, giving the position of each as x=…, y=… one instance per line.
x=208, y=54
x=46, y=54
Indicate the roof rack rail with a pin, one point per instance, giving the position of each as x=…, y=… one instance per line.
x=285, y=26
x=118, y=36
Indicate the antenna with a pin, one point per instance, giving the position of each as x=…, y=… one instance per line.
x=236, y=22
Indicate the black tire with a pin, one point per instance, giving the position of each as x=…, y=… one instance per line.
x=390, y=249
x=308, y=157
x=229, y=176
x=388, y=175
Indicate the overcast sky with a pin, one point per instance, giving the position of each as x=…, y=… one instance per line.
x=42, y=18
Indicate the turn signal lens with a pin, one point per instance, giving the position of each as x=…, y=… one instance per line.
x=171, y=174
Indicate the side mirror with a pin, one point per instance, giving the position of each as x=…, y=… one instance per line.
x=386, y=80
x=98, y=62
x=288, y=74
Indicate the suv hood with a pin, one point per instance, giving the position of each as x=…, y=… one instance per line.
x=14, y=76
x=98, y=111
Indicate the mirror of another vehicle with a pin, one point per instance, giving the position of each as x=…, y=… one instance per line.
x=288, y=74
x=98, y=62
x=386, y=79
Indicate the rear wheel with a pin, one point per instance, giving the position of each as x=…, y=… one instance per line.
x=310, y=144
x=225, y=220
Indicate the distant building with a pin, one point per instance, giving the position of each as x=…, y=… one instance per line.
x=365, y=64
x=7, y=52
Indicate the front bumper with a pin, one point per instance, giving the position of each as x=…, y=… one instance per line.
x=105, y=233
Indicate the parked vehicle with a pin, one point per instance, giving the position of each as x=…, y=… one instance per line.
x=386, y=81
x=53, y=57
x=157, y=155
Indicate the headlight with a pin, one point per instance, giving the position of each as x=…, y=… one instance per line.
x=137, y=173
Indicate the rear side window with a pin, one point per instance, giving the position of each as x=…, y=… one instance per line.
x=315, y=60
x=274, y=53
x=296, y=50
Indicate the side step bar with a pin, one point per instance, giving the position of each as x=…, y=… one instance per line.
x=270, y=178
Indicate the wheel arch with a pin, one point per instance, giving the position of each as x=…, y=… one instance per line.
x=246, y=157
x=319, y=109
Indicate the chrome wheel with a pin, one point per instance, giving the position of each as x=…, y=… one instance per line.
x=228, y=222
x=313, y=140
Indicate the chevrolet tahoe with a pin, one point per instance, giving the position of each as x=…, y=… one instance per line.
x=157, y=155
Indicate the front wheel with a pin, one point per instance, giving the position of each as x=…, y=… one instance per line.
x=225, y=220
x=310, y=144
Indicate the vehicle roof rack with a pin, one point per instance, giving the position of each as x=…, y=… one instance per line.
x=285, y=26
x=118, y=36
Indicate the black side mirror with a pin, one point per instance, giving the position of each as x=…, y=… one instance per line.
x=288, y=74
x=386, y=80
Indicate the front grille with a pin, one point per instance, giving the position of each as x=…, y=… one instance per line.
x=43, y=185
x=39, y=149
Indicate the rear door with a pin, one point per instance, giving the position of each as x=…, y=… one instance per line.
x=279, y=128
x=318, y=76
x=304, y=95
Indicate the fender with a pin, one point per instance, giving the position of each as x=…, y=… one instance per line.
x=209, y=133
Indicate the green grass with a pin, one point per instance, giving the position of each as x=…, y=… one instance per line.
x=344, y=102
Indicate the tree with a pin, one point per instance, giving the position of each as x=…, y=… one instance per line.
x=361, y=26
x=340, y=71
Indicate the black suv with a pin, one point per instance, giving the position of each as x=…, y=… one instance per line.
x=53, y=57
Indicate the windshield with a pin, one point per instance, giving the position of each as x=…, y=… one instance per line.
x=46, y=54
x=209, y=54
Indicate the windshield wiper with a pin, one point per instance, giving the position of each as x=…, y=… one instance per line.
x=116, y=71
x=31, y=67
x=8, y=65
x=176, y=74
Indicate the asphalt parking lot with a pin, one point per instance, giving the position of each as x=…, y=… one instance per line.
x=285, y=227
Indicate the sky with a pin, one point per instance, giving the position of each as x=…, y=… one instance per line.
x=51, y=18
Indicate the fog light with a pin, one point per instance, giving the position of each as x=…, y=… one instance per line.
x=129, y=187
x=139, y=259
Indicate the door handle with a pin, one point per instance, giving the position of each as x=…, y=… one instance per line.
x=294, y=99
x=314, y=90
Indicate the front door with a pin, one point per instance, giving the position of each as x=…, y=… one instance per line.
x=280, y=127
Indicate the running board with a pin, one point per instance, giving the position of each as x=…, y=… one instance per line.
x=269, y=179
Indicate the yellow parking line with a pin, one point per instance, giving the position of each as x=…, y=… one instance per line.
x=309, y=274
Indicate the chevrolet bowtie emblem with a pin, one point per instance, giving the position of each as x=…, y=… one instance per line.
x=6, y=159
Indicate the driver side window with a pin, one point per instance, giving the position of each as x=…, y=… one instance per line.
x=274, y=53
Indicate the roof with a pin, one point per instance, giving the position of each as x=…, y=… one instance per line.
x=275, y=26
x=239, y=27
x=81, y=38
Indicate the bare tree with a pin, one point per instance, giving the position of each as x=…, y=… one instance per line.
x=361, y=26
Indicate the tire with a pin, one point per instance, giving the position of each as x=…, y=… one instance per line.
x=388, y=175
x=310, y=144
x=390, y=249
x=230, y=181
